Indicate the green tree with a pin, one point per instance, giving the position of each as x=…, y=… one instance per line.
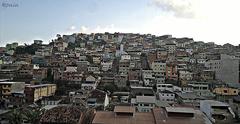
x=49, y=77
x=33, y=115
x=15, y=117
x=110, y=87
x=27, y=49
x=71, y=45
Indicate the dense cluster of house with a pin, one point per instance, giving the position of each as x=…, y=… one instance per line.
x=124, y=78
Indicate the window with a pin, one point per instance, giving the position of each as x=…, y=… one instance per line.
x=225, y=91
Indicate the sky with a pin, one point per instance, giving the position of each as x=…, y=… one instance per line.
x=216, y=21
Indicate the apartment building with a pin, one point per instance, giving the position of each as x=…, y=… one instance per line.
x=167, y=96
x=36, y=92
x=159, y=69
x=171, y=71
x=90, y=83
x=148, y=77
x=9, y=88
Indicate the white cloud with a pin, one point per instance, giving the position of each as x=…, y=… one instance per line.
x=207, y=20
x=107, y=28
x=198, y=8
x=83, y=29
x=180, y=8
x=71, y=28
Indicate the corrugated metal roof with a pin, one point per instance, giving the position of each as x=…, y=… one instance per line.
x=145, y=99
x=129, y=109
x=180, y=109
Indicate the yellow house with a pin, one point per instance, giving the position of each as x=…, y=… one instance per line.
x=51, y=89
x=6, y=90
x=96, y=59
x=37, y=92
x=226, y=91
x=40, y=92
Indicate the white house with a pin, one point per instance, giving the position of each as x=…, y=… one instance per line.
x=98, y=98
x=90, y=83
x=71, y=69
x=106, y=65
x=93, y=69
x=181, y=66
x=144, y=103
x=189, y=51
x=167, y=96
x=60, y=45
x=148, y=77
x=187, y=89
x=169, y=87
x=125, y=57
x=171, y=47
x=201, y=89
x=159, y=69
x=185, y=75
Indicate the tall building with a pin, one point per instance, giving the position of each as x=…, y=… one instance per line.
x=229, y=69
x=226, y=68
x=159, y=70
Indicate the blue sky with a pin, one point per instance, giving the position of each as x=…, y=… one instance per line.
x=43, y=19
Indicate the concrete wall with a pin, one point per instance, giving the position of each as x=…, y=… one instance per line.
x=229, y=69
